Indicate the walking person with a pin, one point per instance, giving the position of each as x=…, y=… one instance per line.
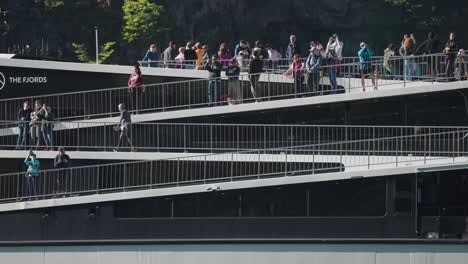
x=152, y=56
x=234, y=87
x=32, y=174
x=255, y=69
x=365, y=66
x=296, y=71
x=214, y=68
x=451, y=50
x=136, y=89
x=313, y=63
x=47, y=127
x=61, y=162
x=24, y=118
x=124, y=128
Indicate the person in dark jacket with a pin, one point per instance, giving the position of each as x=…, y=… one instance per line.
x=169, y=55
x=242, y=46
x=124, y=128
x=152, y=56
x=24, y=118
x=214, y=68
x=61, y=162
x=428, y=47
x=47, y=127
x=190, y=56
x=255, y=69
x=292, y=48
x=234, y=88
x=312, y=65
x=263, y=50
x=36, y=118
x=451, y=50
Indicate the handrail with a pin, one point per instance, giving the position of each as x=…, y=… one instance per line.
x=446, y=147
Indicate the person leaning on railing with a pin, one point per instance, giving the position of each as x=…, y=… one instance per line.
x=24, y=118
x=296, y=71
x=152, y=56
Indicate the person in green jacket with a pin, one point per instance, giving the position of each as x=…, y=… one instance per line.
x=32, y=173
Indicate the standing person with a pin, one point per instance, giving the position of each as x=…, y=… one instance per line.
x=214, y=68
x=47, y=127
x=241, y=47
x=451, y=49
x=152, y=56
x=296, y=72
x=292, y=48
x=36, y=128
x=180, y=59
x=336, y=45
x=200, y=51
x=365, y=58
x=407, y=50
x=124, y=128
x=61, y=162
x=428, y=47
x=274, y=57
x=169, y=55
x=263, y=51
x=234, y=88
x=206, y=53
x=255, y=69
x=224, y=55
x=24, y=118
x=313, y=63
x=136, y=88
x=32, y=174
x=388, y=62
x=461, y=69
x=190, y=56
x=331, y=54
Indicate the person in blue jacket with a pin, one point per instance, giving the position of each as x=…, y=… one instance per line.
x=365, y=67
x=32, y=174
x=152, y=56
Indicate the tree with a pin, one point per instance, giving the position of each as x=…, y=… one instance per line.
x=142, y=20
x=82, y=55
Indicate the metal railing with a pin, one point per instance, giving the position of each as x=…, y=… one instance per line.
x=199, y=138
x=196, y=93
x=353, y=155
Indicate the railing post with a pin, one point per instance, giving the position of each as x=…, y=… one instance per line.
x=232, y=166
x=151, y=175
x=18, y=176
x=125, y=178
x=97, y=179
x=286, y=163
x=78, y=131
x=177, y=172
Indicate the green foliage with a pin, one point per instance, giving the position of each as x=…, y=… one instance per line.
x=141, y=20
x=82, y=54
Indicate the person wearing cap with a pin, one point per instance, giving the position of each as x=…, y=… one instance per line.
x=152, y=56
x=335, y=45
x=234, y=88
x=32, y=174
x=312, y=65
x=61, y=162
x=365, y=66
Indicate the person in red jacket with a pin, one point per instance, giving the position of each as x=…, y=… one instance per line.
x=136, y=88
